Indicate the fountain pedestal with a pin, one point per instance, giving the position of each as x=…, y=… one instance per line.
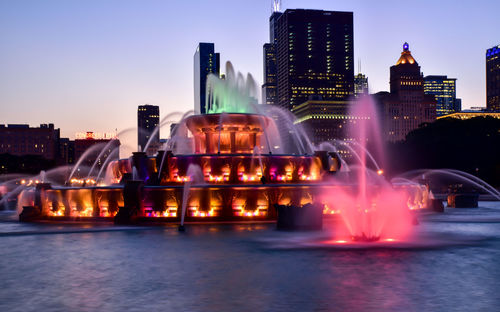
x=29, y=213
x=34, y=212
x=132, y=198
x=140, y=162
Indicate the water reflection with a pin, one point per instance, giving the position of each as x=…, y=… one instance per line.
x=243, y=268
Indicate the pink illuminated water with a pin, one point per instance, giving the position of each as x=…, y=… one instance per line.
x=371, y=209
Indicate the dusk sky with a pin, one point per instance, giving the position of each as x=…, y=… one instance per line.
x=87, y=65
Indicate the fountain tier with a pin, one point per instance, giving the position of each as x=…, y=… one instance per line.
x=228, y=133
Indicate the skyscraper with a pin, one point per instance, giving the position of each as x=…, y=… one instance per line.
x=269, y=88
x=458, y=105
x=444, y=90
x=148, y=118
x=314, y=56
x=493, y=79
x=360, y=84
x=206, y=62
x=406, y=106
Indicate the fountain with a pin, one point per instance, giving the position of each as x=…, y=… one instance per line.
x=234, y=165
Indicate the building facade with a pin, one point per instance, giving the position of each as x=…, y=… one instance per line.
x=324, y=120
x=107, y=147
x=21, y=139
x=66, y=151
x=206, y=62
x=148, y=118
x=493, y=79
x=444, y=91
x=406, y=106
x=314, y=54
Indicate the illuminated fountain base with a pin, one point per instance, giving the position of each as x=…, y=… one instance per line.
x=236, y=182
x=205, y=203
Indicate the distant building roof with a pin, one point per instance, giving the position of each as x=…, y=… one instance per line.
x=493, y=51
x=17, y=126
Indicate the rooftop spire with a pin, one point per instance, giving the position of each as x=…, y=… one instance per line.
x=406, y=57
x=276, y=5
x=406, y=47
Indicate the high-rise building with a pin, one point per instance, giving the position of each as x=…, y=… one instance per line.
x=314, y=56
x=406, y=106
x=458, y=105
x=360, y=85
x=148, y=118
x=269, y=88
x=493, y=79
x=206, y=62
x=444, y=90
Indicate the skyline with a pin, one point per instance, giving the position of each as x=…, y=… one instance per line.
x=71, y=63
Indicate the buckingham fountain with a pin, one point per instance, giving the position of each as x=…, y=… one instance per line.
x=240, y=162
x=226, y=177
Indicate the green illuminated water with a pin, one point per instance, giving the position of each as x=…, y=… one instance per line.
x=233, y=94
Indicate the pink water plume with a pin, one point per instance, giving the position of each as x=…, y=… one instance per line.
x=371, y=209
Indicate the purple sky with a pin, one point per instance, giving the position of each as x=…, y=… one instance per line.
x=86, y=65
